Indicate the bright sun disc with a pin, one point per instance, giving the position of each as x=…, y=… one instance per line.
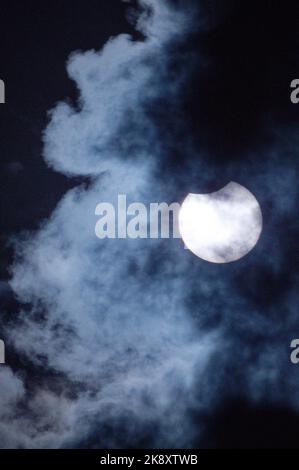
x=223, y=226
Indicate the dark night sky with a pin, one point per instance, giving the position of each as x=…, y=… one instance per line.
x=235, y=106
x=36, y=40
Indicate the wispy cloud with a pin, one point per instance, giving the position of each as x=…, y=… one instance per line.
x=131, y=334
x=103, y=316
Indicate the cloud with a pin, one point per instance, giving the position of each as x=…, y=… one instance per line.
x=103, y=318
x=127, y=337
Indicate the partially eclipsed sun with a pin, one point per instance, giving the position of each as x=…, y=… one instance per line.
x=223, y=226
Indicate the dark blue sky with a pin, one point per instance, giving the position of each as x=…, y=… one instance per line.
x=231, y=120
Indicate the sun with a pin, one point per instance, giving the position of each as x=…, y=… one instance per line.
x=223, y=226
